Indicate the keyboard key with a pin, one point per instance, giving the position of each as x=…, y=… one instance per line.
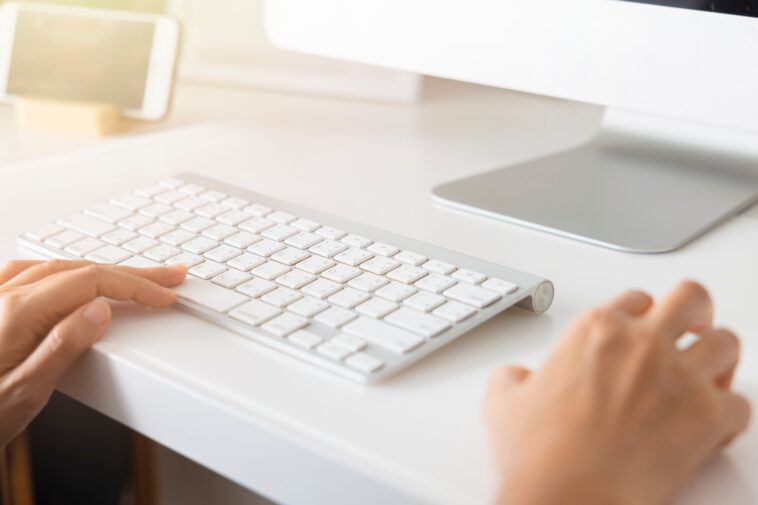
x=211, y=210
x=281, y=217
x=177, y=217
x=169, y=197
x=290, y=256
x=424, y=301
x=155, y=210
x=88, y=225
x=305, y=339
x=303, y=240
x=330, y=233
x=140, y=245
x=295, y=279
x=84, y=246
x=255, y=312
x=256, y=287
x=439, y=267
x=134, y=223
x=382, y=249
x=63, y=239
x=108, y=213
x=418, y=322
x=243, y=239
x=472, y=295
x=270, y=270
x=328, y=248
x=407, y=274
x=45, y=231
x=305, y=225
x=139, y=262
x=177, y=237
x=454, y=312
x=257, y=225
x=376, y=308
x=257, y=209
x=220, y=232
x=315, y=265
x=353, y=344
x=364, y=363
x=109, y=254
x=233, y=217
x=265, y=248
x=348, y=298
x=190, y=203
x=207, y=269
x=500, y=286
x=341, y=273
x=384, y=335
x=380, y=265
x=283, y=325
x=213, y=196
x=209, y=295
x=131, y=202
x=246, y=262
x=223, y=253
x=118, y=237
x=162, y=253
x=435, y=283
x=199, y=245
x=185, y=258
x=470, y=276
x=321, y=288
x=395, y=291
x=155, y=230
x=279, y=232
x=192, y=189
x=308, y=306
x=231, y=278
x=356, y=241
x=335, y=317
x=353, y=257
x=368, y=282
x=333, y=351
x=281, y=297
x=197, y=224
x=410, y=258
x=235, y=203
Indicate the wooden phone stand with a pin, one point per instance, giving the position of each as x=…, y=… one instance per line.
x=76, y=118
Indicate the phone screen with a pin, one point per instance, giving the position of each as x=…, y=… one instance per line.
x=80, y=58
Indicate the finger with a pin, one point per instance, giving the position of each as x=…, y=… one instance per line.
x=15, y=267
x=166, y=276
x=686, y=308
x=633, y=303
x=65, y=343
x=715, y=354
x=736, y=416
x=55, y=297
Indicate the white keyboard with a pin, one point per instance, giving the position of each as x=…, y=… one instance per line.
x=354, y=300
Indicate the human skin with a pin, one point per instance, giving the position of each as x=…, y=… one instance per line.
x=618, y=415
x=50, y=314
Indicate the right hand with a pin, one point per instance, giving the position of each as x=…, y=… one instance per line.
x=618, y=414
x=50, y=314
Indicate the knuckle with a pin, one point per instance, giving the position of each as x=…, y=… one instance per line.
x=10, y=305
x=60, y=342
x=55, y=265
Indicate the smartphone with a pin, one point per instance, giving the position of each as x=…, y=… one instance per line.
x=92, y=55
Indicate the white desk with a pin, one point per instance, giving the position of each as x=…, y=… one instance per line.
x=300, y=436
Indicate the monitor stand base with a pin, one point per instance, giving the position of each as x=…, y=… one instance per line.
x=626, y=189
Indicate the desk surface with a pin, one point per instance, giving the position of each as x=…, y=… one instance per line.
x=298, y=435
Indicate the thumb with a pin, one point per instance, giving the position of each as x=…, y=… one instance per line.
x=65, y=343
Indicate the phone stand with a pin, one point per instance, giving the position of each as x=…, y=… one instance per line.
x=76, y=118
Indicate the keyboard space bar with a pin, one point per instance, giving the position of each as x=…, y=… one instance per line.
x=209, y=295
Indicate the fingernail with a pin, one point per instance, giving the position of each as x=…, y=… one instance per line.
x=97, y=313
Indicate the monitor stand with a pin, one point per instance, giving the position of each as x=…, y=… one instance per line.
x=641, y=185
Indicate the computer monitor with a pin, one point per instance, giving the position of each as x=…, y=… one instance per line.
x=671, y=66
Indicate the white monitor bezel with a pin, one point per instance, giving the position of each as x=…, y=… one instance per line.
x=679, y=63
